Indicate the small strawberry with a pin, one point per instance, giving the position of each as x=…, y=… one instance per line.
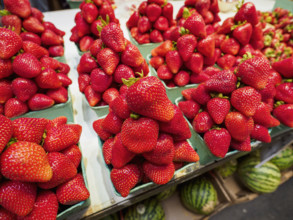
x=40, y=101
x=106, y=10
x=89, y=12
x=182, y=78
x=85, y=43
x=189, y=108
x=164, y=73
x=186, y=93
x=284, y=67
x=133, y=19
x=156, y=36
x=72, y=191
x=174, y=61
x=162, y=49
x=11, y=21
x=6, y=129
x=246, y=100
x=87, y=63
x=284, y=92
x=142, y=7
x=108, y=59
x=107, y=150
x=218, y=108
x=25, y=161
x=156, y=62
x=112, y=37
x=59, y=95
x=230, y=46
x=202, y=6
x=202, y=122
x=49, y=62
x=143, y=68
x=144, y=24
x=153, y=12
x=195, y=24
x=34, y=49
x=56, y=51
x=225, y=28
x=201, y=95
x=32, y=24
x=184, y=152
x=5, y=68
x=112, y=123
x=195, y=63
x=210, y=61
x=211, y=70
x=29, y=36
x=173, y=33
x=243, y=33
x=284, y=113
x=26, y=65
x=49, y=38
x=263, y=116
x=186, y=45
x=52, y=27
x=48, y=79
x=64, y=79
x=167, y=11
x=125, y=178
x=109, y=95
x=161, y=24
x=241, y=145
x=6, y=92
x=104, y=135
x=14, y=107
x=131, y=56
x=123, y=72
x=74, y=154
x=21, y=8
x=226, y=62
x=159, y=174
x=120, y=108
x=248, y=13
x=261, y=133
x=92, y=96
x=206, y=46
x=18, y=197
x=100, y=81
x=218, y=141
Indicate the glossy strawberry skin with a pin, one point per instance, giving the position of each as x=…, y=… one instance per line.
x=284, y=113
x=112, y=123
x=12, y=21
x=241, y=145
x=195, y=24
x=159, y=174
x=107, y=150
x=14, y=107
x=189, y=108
x=284, y=67
x=74, y=154
x=10, y=43
x=20, y=8
x=108, y=60
x=6, y=129
x=284, y=92
x=263, y=116
x=5, y=68
x=24, y=88
x=261, y=133
x=184, y=152
x=174, y=61
x=218, y=108
x=26, y=65
x=120, y=107
x=202, y=122
x=6, y=91
x=104, y=135
x=186, y=45
x=100, y=81
x=112, y=37
x=40, y=101
x=32, y=24
x=248, y=13
x=92, y=96
x=131, y=56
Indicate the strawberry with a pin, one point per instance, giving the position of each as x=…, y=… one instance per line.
x=63, y=170
x=248, y=13
x=164, y=73
x=108, y=59
x=5, y=68
x=186, y=45
x=95, y=47
x=222, y=82
x=284, y=67
x=195, y=24
x=83, y=81
x=219, y=38
x=161, y=24
x=92, y=96
x=159, y=174
x=125, y=178
x=163, y=152
x=29, y=129
x=123, y=72
x=206, y=46
x=109, y=95
x=59, y=138
x=34, y=49
x=107, y=150
x=32, y=24
x=74, y=154
x=120, y=108
x=40, y=101
x=218, y=108
x=48, y=79
x=284, y=114
x=263, y=116
x=177, y=127
x=14, y=107
x=56, y=51
x=187, y=93
x=72, y=191
x=49, y=62
x=195, y=63
x=261, y=133
x=241, y=145
x=26, y=65
x=158, y=2
x=100, y=81
x=20, y=8
x=156, y=36
x=173, y=33
x=18, y=197
x=202, y=122
x=173, y=61
x=25, y=161
x=218, y=141
x=155, y=62
x=225, y=28
x=148, y=97
x=5, y=91
x=133, y=19
x=10, y=43
x=112, y=37
x=46, y=206
x=246, y=100
x=49, y=38
x=153, y=12
x=64, y=79
x=202, y=6
x=85, y=43
x=112, y=123
x=131, y=56
x=95, y=30
x=284, y=92
x=139, y=135
x=162, y=49
x=143, y=68
x=142, y=7
x=230, y=46
x=182, y=78
x=254, y=72
x=106, y=10
x=59, y=95
x=13, y=22
x=210, y=61
x=87, y=63
x=89, y=12
x=143, y=24
x=167, y=11
x=243, y=33
x=226, y=62
x=6, y=129
x=211, y=70
x=61, y=120
x=184, y=152
x=104, y=135
x=201, y=94
x=189, y=108
x=7, y=215
x=208, y=18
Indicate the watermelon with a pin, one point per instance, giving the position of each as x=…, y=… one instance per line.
x=227, y=169
x=112, y=217
x=199, y=196
x=167, y=193
x=148, y=209
x=284, y=159
x=264, y=179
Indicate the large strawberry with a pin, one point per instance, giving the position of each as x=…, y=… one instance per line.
x=248, y=13
x=6, y=130
x=10, y=43
x=25, y=161
x=21, y=8
x=284, y=67
x=195, y=24
x=112, y=37
x=284, y=92
x=284, y=113
x=26, y=65
x=148, y=97
x=11, y=21
x=159, y=174
x=24, y=88
x=263, y=116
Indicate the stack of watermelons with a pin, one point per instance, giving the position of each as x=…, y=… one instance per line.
x=284, y=159
x=227, y=169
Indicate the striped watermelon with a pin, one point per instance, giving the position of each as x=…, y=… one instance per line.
x=146, y=210
x=227, y=169
x=265, y=179
x=199, y=196
x=167, y=193
x=284, y=159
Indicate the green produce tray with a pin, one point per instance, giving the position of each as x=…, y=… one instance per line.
x=80, y=53
x=101, y=111
x=286, y=4
x=74, y=4
x=61, y=59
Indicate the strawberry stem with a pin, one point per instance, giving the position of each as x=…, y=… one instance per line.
x=246, y=56
x=4, y=12
x=278, y=103
x=238, y=25
x=186, y=13
x=239, y=5
x=129, y=82
x=165, y=3
x=134, y=116
x=11, y=141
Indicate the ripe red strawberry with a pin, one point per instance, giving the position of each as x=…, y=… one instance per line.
x=108, y=59
x=153, y=12
x=52, y=27
x=156, y=62
x=148, y=97
x=201, y=94
x=56, y=51
x=131, y=56
x=63, y=68
x=161, y=24
x=72, y=191
x=61, y=120
x=63, y=170
x=112, y=37
x=133, y=19
x=156, y=36
x=29, y=36
x=49, y=38
x=230, y=46
x=210, y=61
x=21, y=8
x=109, y=95
x=104, y=135
x=263, y=116
x=284, y=67
x=195, y=24
x=168, y=11
x=34, y=49
x=284, y=92
x=164, y=73
x=143, y=24
x=25, y=161
x=243, y=33
x=163, y=152
x=59, y=95
x=46, y=206
x=162, y=49
x=202, y=6
x=29, y=129
x=195, y=63
x=18, y=197
x=226, y=62
x=49, y=62
x=40, y=101
x=107, y=10
x=26, y=65
x=139, y=135
x=5, y=91
x=100, y=81
x=241, y=145
x=206, y=46
x=159, y=174
x=89, y=12
x=187, y=93
x=112, y=123
x=64, y=79
x=6, y=129
x=74, y=154
x=178, y=126
x=92, y=96
x=158, y=2
x=186, y=45
x=255, y=72
x=202, y=122
x=246, y=100
x=218, y=108
x=173, y=61
x=182, y=78
x=125, y=178
x=189, y=108
x=218, y=141
x=107, y=150
x=120, y=108
x=284, y=113
x=12, y=21
x=184, y=152
x=123, y=72
x=222, y=82
x=261, y=133
x=48, y=79
x=32, y=24
x=5, y=214
x=10, y=43
x=87, y=63
x=85, y=43
x=248, y=13
x=5, y=68
x=14, y=107
x=225, y=28
x=143, y=68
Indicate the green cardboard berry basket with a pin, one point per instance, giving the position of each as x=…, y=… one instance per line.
x=74, y=3
x=80, y=53
x=61, y=59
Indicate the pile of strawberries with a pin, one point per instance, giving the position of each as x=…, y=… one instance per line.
x=144, y=136
x=28, y=22
x=29, y=78
x=92, y=13
x=39, y=163
x=111, y=59
x=278, y=34
x=150, y=21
